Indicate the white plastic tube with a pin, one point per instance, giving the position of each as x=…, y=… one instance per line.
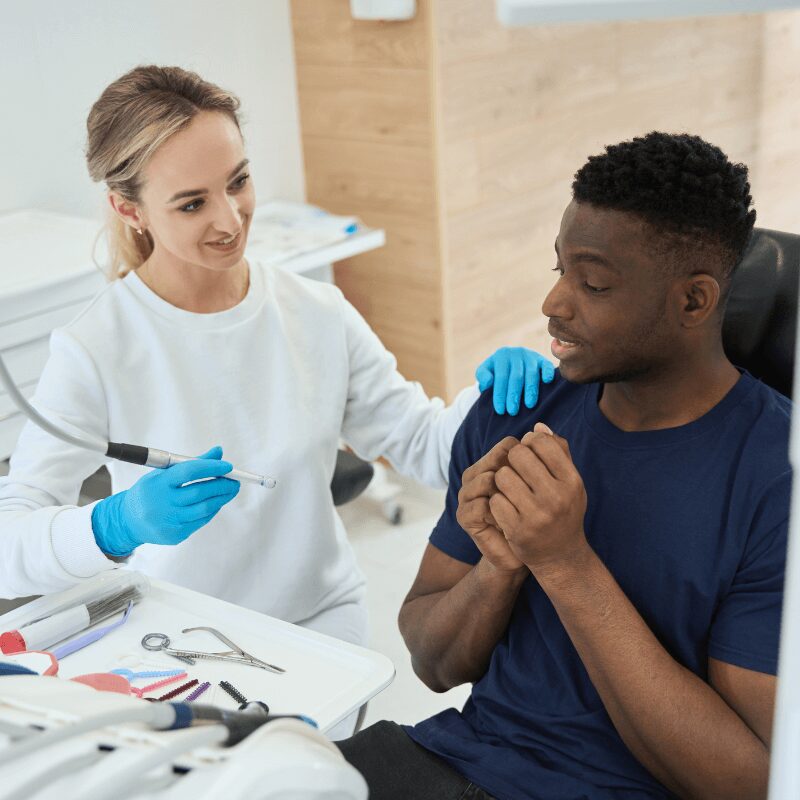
x=103, y=585
x=131, y=775
x=41, y=635
x=54, y=618
x=157, y=715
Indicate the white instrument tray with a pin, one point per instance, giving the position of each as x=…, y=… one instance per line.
x=325, y=679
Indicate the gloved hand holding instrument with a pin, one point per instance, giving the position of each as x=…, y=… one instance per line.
x=164, y=506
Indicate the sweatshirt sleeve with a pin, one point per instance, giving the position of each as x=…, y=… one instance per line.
x=388, y=416
x=46, y=540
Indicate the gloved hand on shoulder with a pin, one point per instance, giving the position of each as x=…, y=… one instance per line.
x=160, y=509
x=511, y=369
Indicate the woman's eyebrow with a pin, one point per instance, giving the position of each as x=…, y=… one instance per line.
x=192, y=192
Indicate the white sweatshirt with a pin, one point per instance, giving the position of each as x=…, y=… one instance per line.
x=277, y=381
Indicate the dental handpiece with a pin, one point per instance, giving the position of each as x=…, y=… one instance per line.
x=132, y=453
x=161, y=459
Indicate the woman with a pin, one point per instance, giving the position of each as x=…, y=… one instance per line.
x=191, y=344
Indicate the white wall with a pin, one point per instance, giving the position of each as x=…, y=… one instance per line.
x=56, y=56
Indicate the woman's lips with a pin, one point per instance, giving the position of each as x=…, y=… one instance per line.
x=232, y=244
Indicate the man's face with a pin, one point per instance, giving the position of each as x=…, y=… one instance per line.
x=608, y=310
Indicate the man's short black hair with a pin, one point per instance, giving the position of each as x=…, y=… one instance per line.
x=683, y=187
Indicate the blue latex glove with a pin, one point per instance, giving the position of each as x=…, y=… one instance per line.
x=509, y=369
x=159, y=509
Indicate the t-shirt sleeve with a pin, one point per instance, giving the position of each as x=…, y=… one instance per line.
x=746, y=628
x=468, y=447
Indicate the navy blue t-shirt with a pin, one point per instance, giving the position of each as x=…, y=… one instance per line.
x=691, y=522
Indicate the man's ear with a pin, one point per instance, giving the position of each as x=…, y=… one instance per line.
x=699, y=297
x=127, y=211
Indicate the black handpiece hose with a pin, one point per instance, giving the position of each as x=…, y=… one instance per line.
x=240, y=724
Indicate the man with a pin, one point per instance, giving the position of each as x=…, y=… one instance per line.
x=611, y=582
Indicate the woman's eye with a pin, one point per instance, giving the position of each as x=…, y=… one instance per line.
x=193, y=206
x=240, y=181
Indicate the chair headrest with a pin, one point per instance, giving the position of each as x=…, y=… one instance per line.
x=760, y=323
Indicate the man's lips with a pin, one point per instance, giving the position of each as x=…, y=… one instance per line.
x=563, y=345
x=562, y=337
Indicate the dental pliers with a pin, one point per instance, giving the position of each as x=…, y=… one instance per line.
x=160, y=641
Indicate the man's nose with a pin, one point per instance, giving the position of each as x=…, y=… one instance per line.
x=558, y=302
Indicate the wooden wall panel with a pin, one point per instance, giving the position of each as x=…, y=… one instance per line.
x=776, y=188
x=366, y=177
x=358, y=104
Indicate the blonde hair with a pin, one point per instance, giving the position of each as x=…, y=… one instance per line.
x=132, y=118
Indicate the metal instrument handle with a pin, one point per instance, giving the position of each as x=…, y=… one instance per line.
x=224, y=639
x=247, y=658
x=232, y=657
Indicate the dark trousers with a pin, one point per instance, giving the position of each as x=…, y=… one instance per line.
x=397, y=768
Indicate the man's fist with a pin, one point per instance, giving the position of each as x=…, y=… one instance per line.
x=540, y=501
x=474, y=514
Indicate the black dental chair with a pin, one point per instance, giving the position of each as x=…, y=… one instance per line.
x=350, y=477
x=760, y=323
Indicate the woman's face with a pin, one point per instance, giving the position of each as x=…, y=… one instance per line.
x=197, y=200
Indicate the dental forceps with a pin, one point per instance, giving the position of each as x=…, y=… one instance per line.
x=160, y=641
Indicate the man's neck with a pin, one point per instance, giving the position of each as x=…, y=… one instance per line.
x=671, y=398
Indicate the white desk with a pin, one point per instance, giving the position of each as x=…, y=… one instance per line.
x=326, y=679
x=361, y=241
x=272, y=238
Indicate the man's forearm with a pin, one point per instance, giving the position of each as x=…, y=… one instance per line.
x=675, y=724
x=451, y=634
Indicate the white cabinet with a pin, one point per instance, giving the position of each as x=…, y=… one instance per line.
x=46, y=277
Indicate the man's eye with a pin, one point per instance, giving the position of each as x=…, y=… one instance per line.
x=559, y=269
x=594, y=289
